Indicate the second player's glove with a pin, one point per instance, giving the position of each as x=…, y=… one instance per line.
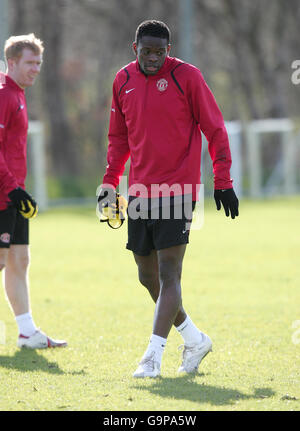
x=24, y=202
x=112, y=208
x=229, y=201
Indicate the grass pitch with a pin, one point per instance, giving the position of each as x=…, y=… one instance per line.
x=241, y=285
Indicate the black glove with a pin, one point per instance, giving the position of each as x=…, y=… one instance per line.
x=229, y=201
x=24, y=202
x=112, y=207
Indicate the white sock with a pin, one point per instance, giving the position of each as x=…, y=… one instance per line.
x=26, y=324
x=156, y=344
x=189, y=332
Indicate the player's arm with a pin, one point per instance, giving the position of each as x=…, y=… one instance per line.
x=117, y=156
x=8, y=184
x=209, y=117
x=7, y=179
x=118, y=148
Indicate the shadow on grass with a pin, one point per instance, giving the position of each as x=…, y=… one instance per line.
x=30, y=360
x=184, y=388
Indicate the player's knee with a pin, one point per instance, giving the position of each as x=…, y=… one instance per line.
x=169, y=269
x=169, y=273
x=19, y=261
x=148, y=279
x=23, y=262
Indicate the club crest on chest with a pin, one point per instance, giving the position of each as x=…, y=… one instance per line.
x=162, y=84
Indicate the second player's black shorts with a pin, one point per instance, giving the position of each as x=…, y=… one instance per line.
x=159, y=233
x=14, y=228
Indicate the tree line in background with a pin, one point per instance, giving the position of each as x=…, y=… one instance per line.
x=244, y=48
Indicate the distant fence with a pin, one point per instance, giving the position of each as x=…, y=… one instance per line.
x=249, y=173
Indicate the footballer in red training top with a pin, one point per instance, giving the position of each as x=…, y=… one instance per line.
x=23, y=55
x=160, y=105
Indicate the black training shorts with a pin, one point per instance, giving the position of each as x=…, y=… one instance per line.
x=14, y=228
x=146, y=234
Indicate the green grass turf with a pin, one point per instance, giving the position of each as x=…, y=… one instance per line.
x=241, y=285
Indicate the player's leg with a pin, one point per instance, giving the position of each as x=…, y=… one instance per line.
x=16, y=271
x=17, y=291
x=196, y=344
x=16, y=279
x=148, y=241
x=14, y=261
x=7, y=227
x=149, y=277
x=16, y=265
x=169, y=301
x=7, y=222
x=148, y=272
x=168, y=267
x=169, y=310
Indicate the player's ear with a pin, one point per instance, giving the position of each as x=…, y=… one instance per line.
x=168, y=49
x=134, y=47
x=10, y=63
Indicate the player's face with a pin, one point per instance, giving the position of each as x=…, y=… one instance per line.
x=26, y=68
x=151, y=53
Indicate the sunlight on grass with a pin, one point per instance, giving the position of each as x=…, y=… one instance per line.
x=240, y=284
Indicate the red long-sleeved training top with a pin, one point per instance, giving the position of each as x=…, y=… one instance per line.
x=157, y=121
x=13, y=139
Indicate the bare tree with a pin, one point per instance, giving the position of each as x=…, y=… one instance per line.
x=65, y=160
x=255, y=36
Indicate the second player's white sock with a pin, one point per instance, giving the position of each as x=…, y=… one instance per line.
x=156, y=344
x=26, y=324
x=189, y=332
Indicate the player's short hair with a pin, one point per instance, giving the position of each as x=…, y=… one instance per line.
x=14, y=46
x=152, y=28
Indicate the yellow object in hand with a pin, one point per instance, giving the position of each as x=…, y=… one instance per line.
x=29, y=210
x=115, y=214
